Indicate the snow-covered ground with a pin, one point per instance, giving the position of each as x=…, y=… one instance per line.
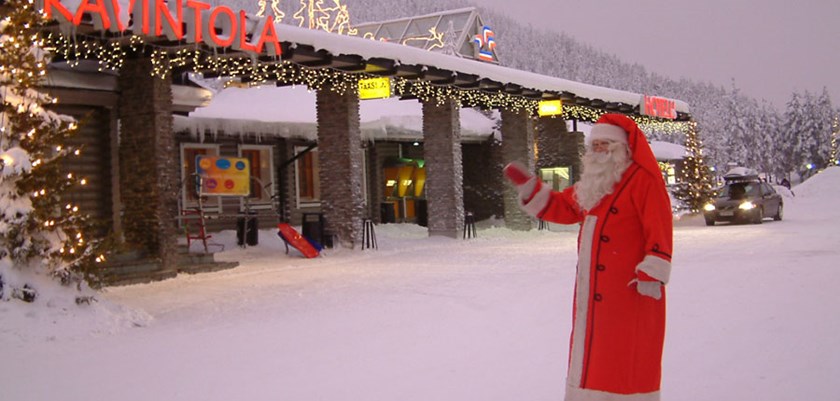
x=752, y=315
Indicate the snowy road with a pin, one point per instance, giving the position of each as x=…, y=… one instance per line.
x=752, y=315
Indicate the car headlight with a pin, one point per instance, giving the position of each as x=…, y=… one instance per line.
x=709, y=207
x=746, y=206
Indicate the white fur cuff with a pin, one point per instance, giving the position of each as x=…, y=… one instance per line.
x=538, y=201
x=655, y=267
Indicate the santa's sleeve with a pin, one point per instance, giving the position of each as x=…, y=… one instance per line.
x=657, y=220
x=552, y=206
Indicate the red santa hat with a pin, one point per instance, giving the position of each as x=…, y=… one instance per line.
x=609, y=132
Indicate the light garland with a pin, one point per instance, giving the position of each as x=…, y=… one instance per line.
x=111, y=55
x=275, y=7
x=835, y=138
x=313, y=15
x=435, y=38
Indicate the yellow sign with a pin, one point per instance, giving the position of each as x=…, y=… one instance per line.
x=224, y=176
x=375, y=88
x=550, y=108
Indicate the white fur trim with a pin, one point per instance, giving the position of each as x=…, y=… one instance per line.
x=582, y=394
x=607, y=132
x=582, y=298
x=655, y=267
x=538, y=202
x=525, y=190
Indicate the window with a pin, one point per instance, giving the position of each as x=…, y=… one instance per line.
x=261, y=158
x=557, y=177
x=189, y=184
x=307, y=176
x=668, y=172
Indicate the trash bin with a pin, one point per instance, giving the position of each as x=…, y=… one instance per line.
x=313, y=227
x=386, y=212
x=247, y=230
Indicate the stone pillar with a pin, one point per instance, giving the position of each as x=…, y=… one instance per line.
x=444, y=168
x=549, y=141
x=517, y=144
x=572, y=148
x=341, y=170
x=148, y=164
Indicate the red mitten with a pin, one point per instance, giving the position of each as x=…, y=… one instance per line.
x=526, y=183
x=517, y=173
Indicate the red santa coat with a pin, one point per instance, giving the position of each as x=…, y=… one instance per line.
x=617, y=333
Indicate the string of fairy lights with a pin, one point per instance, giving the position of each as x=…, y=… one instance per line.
x=835, y=141
x=111, y=55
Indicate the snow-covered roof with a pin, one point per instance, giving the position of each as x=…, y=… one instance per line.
x=407, y=55
x=667, y=150
x=740, y=172
x=290, y=112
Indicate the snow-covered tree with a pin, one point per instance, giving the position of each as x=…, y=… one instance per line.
x=696, y=181
x=788, y=146
x=40, y=234
x=823, y=115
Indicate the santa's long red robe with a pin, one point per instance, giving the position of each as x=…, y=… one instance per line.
x=617, y=333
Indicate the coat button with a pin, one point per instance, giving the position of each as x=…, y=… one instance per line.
x=614, y=210
x=601, y=268
x=598, y=297
x=604, y=238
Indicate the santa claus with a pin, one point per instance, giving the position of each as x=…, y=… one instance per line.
x=624, y=261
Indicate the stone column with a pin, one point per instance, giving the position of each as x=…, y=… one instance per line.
x=148, y=165
x=517, y=144
x=341, y=170
x=572, y=148
x=549, y=141
x=444, y=168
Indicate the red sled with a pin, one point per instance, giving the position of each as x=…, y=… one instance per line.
x=293, y=238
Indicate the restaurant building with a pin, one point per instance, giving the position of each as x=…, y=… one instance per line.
x=140, y=85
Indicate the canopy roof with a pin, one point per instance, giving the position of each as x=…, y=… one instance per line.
x=315, y=49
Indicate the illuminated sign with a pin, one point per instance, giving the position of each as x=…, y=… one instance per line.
x=435, y=38
x=189, y=20
x=659, y=107
x=334, y=17
x=375, y=88
x=550, y=108
x=223, y=176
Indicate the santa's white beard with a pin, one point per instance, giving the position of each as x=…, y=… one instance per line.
x=601, y=171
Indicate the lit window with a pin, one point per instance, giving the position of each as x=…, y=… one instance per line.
x=308, y=181
x=262, y=173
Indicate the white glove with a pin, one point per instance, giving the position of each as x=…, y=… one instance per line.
x=648, y=288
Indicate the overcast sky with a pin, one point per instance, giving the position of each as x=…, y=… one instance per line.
x=771, y=48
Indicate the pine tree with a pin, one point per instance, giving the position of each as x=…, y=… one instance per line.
x=697, y=183
x=788, y=145
x=39, y=234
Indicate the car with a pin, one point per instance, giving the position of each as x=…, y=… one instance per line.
x=744, y=198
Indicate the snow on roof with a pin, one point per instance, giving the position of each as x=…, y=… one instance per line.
x=407, y=55
x=667, y=151
x=290, y=112
x=736, y=172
